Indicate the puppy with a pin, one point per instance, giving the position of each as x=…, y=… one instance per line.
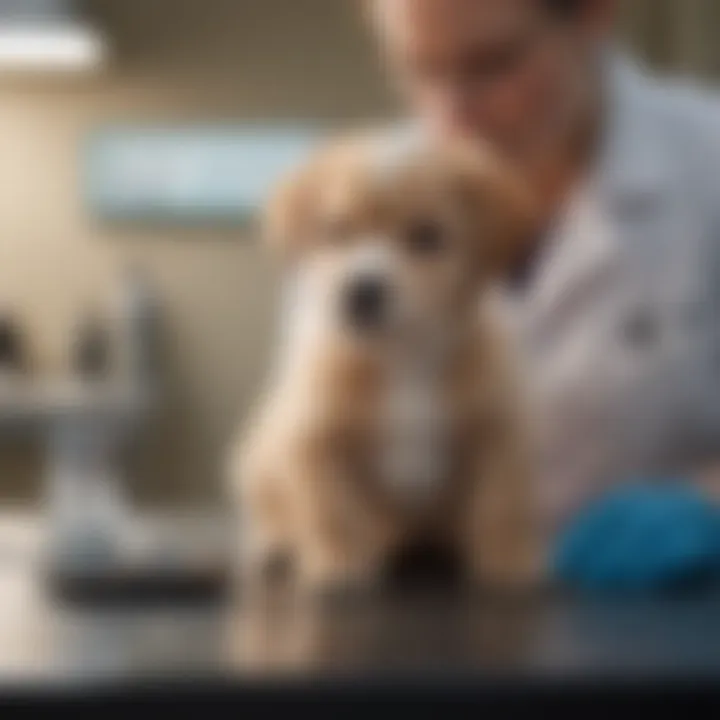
x=393, y=416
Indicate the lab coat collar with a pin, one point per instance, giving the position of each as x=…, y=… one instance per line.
x=633, y=161
x=629, y=180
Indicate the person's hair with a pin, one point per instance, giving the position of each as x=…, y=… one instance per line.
x=564, y=8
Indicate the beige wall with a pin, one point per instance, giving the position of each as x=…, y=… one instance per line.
x=177, y=61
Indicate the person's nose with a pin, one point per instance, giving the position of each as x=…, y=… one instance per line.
x=456, y=114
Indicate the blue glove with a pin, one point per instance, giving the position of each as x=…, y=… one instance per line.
x=641, y=537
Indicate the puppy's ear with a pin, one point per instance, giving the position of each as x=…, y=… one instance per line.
x=290, y=215
x=503, y=210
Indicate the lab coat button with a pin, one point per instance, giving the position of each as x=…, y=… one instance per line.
x=641, y=328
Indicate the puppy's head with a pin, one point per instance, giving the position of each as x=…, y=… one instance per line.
x=393, y=237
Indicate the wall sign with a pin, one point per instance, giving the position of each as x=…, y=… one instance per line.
x=188, y=175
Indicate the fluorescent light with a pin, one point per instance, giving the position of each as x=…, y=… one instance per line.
x=66, y=47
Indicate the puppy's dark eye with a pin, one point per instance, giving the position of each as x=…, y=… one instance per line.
x=425, y=238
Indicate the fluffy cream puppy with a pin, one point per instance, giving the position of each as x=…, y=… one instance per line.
x=393, y=415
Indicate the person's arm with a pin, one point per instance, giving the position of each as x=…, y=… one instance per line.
x=707, y=477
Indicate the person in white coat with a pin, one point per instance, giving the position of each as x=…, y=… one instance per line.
x=617, y=307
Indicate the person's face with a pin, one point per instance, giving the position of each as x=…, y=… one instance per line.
x=506, y=70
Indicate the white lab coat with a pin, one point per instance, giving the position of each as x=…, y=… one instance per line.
x=620, y=321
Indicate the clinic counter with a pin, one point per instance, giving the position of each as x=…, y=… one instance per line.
x=422, y=646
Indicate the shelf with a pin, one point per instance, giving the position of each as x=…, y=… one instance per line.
x=33, y=404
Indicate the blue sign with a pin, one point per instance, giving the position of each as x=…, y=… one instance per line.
x=198, y=174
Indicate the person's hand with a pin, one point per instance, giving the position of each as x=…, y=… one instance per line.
x=641, y=537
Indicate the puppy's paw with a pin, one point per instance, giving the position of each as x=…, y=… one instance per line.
x=334, y=575
x=259, y=562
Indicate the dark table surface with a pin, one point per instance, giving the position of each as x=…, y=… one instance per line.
x=427, y=639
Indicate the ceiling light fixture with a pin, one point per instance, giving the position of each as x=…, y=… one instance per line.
x=48, y=36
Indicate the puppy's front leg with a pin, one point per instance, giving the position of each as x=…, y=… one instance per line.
x=500, y=537
x=341, y=542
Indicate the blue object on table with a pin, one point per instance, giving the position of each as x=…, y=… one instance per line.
x=641, y=537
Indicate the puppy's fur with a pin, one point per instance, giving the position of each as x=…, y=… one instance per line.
x=393, y=416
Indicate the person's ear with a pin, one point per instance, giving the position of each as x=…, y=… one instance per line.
x=502, y=209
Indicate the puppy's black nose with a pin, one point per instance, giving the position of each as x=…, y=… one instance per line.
x=366, y=302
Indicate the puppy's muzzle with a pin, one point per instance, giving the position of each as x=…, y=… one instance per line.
x=366, y=302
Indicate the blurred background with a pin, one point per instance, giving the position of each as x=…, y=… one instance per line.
x=137, y=308
x=189, y=64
